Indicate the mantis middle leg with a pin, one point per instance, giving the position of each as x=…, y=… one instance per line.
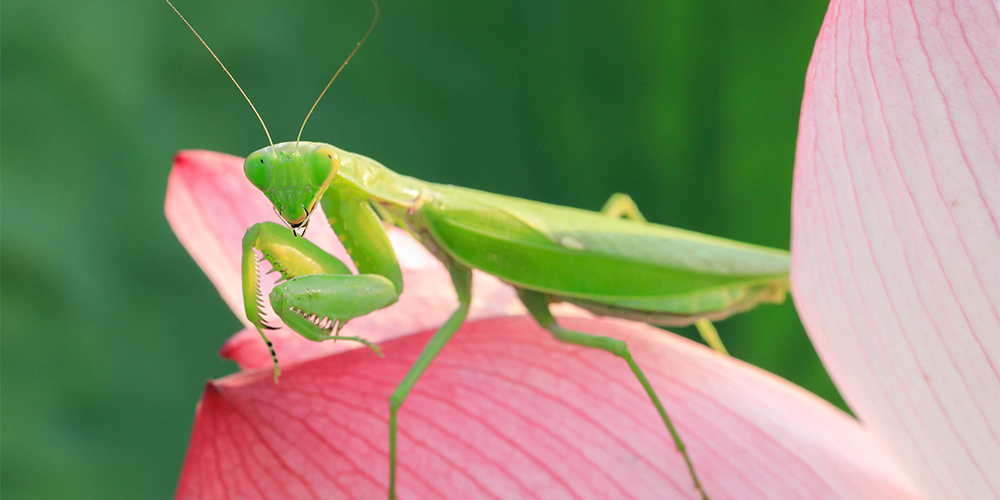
x=461, y=277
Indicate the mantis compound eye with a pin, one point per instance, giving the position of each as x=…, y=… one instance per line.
x=258, y=170
x=322, y=165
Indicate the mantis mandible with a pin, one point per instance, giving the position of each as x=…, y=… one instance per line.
x=612, y=263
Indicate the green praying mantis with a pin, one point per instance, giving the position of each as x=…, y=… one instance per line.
x=612, y=263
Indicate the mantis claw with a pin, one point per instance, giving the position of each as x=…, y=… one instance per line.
x=317, y=327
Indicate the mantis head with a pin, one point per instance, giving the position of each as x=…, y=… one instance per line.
x=293, y=176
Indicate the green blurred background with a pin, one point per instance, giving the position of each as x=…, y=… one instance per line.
x=109, y=329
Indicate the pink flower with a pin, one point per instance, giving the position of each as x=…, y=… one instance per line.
x=504, y=412
x=896, y=247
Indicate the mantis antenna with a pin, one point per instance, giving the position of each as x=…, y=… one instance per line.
x=356, y=47
x=231, y=75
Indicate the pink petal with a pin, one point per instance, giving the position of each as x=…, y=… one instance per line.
x=210, y=205
x=896, y=247
x=508, y=412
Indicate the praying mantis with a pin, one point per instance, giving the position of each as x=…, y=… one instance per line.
x=611, y=263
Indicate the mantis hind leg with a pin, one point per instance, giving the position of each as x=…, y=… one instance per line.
x=621, y=205
x=538, y=305
x=710, y=335
x=461, y=277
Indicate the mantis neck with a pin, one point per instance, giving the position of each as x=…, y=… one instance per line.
x=382, y=186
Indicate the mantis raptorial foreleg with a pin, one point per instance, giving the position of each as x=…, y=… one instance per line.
x=461, y=277
x=317, y=306
x=275, y=242
x=538, y=305
x=321, y=294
